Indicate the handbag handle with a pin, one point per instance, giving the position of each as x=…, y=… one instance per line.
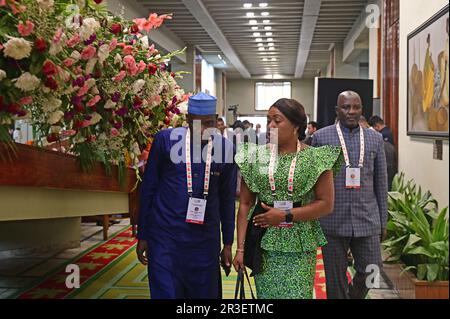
x=240, y=285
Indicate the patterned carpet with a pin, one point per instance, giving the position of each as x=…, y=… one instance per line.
x=111, y=271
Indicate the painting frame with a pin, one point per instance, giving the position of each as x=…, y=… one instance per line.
x=424, y=109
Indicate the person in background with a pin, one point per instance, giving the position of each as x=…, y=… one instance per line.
x=358, y=221
x=378, y=124
x=301, y=192
x=186, y=204
x=220, y=125
x=311, y=129
x=363, y=122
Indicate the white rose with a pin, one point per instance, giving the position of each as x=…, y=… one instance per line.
x=109, y=104
x=75, y=55
x=90, y=83
x=117, y=59
x=138, y=85
x=183, y=107
x=51, y=104
x=144, y=42
x=55, y=117
x=90, y=65
x=17, y=48
x=46, y=5
x=95, y=118
x=103, y=53
x=90, y=26
x=55, y=129
x=27, y=82
x=56, y=48
x=2, y=74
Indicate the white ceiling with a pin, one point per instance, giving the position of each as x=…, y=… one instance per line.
x=221, y=27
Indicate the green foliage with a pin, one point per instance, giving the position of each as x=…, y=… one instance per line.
x=417, y=231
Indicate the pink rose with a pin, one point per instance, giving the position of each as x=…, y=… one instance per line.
x=113, y=44
x=73, y=41
x=128, y=49
x=83, y=90
x=26, y=100
x=68, y=62
x=88, y=52
x=114, y=132
x=58, y=35
x=119, y=77
x=68, y=133
x=141, y=66
x=94, y=100
x=25, y=29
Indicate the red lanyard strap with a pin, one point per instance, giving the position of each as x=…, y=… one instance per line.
x=189, y=165
x=344, y=147
x=291, y=170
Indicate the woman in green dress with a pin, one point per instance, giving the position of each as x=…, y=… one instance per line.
x=294, y=185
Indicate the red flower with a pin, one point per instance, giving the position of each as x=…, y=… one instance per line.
x=2, y=105
x=13, y=108
x=53, y=137
x=98, y=1
x=51, y=83
x=134, y=28
x=40, y=45
x=152, y=68
x=116, y=28
x=49, y=68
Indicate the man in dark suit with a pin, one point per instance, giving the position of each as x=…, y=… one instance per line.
x=358, y=221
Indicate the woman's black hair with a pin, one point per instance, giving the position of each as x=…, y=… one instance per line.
x=295, y=113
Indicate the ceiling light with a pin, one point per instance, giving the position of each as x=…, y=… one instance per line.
x=250, y=14
x=272, y=48
x=256, y=34
x=265, y=13
x=259, y=40
x=254, y=28
x=269, y=39
x=268, y=28
x=247, y=5
x=253, y=22
x=261, y=49
x=266, y=21
x=263, y=4
x=260, y=44
x=268, y=34
x=270, y=44
x=274, y=59
x=220, y=57
x=264, y=59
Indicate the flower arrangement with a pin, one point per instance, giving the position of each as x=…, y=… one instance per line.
x=78, y=73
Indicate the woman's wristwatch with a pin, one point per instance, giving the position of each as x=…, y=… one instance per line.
x=289, y=218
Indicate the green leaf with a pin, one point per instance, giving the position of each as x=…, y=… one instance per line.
x=420, y=251
x=440, y=245
x=413, y=239
x=421, y=271
x=432, y=271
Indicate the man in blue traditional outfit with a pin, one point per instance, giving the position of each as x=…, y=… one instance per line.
x=185, y=198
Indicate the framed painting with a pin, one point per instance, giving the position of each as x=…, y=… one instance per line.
x=428, y=78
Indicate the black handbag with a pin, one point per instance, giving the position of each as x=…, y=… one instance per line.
x=253, y=237
x=240, y=285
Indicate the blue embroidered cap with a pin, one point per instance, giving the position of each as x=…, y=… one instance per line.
x=202, y=104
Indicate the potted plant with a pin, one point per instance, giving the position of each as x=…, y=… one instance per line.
x=417, y=243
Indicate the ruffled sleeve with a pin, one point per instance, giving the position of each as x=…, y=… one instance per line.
x=246, y=159
x=321, y=159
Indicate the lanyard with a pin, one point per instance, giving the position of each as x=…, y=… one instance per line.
x=291, y=170
x=189, y=166
x=344, y=148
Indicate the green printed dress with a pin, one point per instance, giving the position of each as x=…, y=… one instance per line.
x=289, y=254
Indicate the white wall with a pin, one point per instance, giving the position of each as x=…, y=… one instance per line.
x=416, y=155
x=242, y=92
